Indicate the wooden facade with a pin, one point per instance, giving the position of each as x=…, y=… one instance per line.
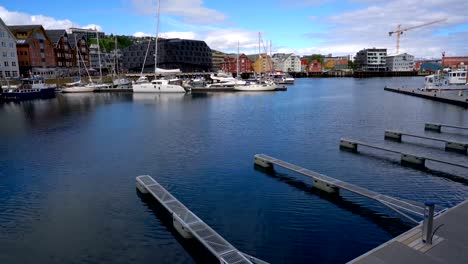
x=35, y=50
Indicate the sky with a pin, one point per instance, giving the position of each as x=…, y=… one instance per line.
x=337, y=27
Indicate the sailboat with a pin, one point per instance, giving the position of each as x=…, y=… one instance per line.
x=260, y=85
x=143, y=85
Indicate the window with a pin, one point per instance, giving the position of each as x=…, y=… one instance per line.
x=5, y=54
x=6, y=63
x=11, y=45
x=14, y=73
x=7, y=73
x=13, y=63
x=3, y=44
x=12, y=54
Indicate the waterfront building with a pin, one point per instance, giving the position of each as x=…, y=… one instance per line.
x=35, y=50
x=65, y=58
x=304, y=64
x=263, y=63
x=217, y=59
x=9, y=66
x=455, y=62
x=371, y=59
x=86, y=32
x=315, y=67
x=286, y=62
x=230, y=63
x=400, y=62
x=186, y=55
x=80, y=49
x=335, y=63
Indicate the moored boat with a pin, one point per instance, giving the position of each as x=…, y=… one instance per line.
x=30, y=88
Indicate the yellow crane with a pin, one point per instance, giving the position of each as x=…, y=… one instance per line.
x=399, y=31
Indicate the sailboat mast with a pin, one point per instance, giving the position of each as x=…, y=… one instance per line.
x=78, y=56
x=156, y=44
x=99, y=55
x=115, y=57
x=237, y=60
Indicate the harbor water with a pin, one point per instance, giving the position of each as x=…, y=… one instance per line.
x=68, y=168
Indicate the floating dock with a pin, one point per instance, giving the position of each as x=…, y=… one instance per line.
x=438, y=127
x=433, y=95
x=332, y=185
x=188, y=225
x=449, y=242
x=406, y=158
x=450, y=145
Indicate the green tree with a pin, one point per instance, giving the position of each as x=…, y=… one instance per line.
x=317, y=57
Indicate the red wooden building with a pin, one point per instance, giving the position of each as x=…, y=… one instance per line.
x=230, y=64
x=315, y=67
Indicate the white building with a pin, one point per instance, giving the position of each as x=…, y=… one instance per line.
x=371, y=59
x=8, y=56
x=400, y=62
x=286, y=62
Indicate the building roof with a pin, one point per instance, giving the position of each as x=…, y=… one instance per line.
x=55, y=35
x=75, y=36
x=29, y=29
x=6, y=28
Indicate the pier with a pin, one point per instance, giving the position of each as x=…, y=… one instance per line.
x=438, y=127
x=436, y=96
x=449, y=145
x=449, y=242
x=332, y=185
x=406, y=158
x=188, y=225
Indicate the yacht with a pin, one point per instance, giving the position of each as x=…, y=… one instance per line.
x=447, y=80
x=257, y=86
x=143, y=85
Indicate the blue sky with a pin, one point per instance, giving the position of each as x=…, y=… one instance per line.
x=339, y=27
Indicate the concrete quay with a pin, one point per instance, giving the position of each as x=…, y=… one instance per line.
x=449, y=242
x=432, y=95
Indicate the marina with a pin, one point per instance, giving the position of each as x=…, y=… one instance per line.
x=72, y=197
x=461, y=147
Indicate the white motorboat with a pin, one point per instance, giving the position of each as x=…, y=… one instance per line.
x=447, y=80
x=89, y=88
x=157, y=86
x=260, y=86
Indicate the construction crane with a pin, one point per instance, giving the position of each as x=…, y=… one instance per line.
x=399, y=31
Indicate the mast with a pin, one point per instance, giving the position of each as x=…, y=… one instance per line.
x=99, y=55
x=115, y=57
x=156, y=44
x=78, y=56
x=237, y=60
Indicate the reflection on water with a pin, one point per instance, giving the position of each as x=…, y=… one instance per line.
x=68, y=167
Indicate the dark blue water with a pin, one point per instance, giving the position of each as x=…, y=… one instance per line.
x=68, y=167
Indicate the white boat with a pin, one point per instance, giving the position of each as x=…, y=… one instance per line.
x=255, y=87
x=447, y=80
x=143, y=85
x=89, y=88
x=157, y=86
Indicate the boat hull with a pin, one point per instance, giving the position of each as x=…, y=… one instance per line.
x=15, y=94
x=157, y=88
x=255, y=88
x=78, y=90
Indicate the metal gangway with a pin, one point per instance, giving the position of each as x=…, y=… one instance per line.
x=438, y=127
x=396, y=204
x=189, y=224
x=449, y=144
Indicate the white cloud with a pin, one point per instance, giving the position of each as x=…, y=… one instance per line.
x=368, y=27
x=142, y=34
x=20, y=18
x=191, y=11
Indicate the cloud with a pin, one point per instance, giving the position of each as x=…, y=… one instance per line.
x=170, y=34
x=368, y=27
x=191, y=11
x=20, y=18
x=142, y=34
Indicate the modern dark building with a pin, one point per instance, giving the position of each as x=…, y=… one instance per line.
x=186, y=55
x=371, y=59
